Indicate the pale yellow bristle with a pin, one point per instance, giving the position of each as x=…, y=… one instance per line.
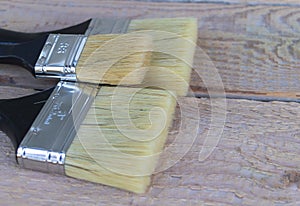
x=174, y=42
x=114, y=59
x=119, y=142
x=119, y=145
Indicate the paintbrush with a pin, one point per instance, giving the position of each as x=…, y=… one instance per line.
x=108, y=135
x=105, y=59
x=173, y=39
x=118, y=138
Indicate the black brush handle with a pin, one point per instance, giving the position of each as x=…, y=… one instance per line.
x=17, y=115
x=23, y=54
x=13, y=37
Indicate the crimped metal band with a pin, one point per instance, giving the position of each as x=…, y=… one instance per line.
x=60, y=56
x=45, y=145
x=61, y=52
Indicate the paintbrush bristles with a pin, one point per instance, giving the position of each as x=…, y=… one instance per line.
x=174, y=42
x=119, y=142
x=121, y=138
x=114, y=59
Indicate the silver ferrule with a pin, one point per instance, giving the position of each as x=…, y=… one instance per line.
x=45, y=145
x=60, y=56
x=107, y=26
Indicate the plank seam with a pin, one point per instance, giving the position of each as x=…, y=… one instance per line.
x=250, y=98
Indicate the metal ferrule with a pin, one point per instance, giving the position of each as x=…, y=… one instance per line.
x=60, y=56
x=61, y=52
x=45, y=145
x=107, y=26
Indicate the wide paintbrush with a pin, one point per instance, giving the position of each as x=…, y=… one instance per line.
x=108, y=135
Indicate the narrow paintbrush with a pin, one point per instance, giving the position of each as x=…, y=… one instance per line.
x=174, y=41
x=108, y=135
x=105, y=59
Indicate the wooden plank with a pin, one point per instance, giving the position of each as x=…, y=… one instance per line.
x=244, y=2
x=254, y=48
x=15, y=76
x=256, y=161
x=240, y=19
x=254, y=65
x=7, y=92
x=253, y=2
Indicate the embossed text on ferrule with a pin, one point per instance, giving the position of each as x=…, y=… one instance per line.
x=62, y=48
x=59, y=56
x=56, y=113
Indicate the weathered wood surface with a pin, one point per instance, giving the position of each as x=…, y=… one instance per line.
x=256, y=161
x=244, y=2
x=255, y=51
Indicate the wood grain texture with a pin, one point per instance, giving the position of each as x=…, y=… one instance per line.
x=254, y=48
x=257, y=159
x=15, y=76
x=256, y=162
x=243, y=2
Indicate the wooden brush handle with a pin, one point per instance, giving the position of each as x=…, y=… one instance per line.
x=14, y=37
x=17, y=115
x=23, y=54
